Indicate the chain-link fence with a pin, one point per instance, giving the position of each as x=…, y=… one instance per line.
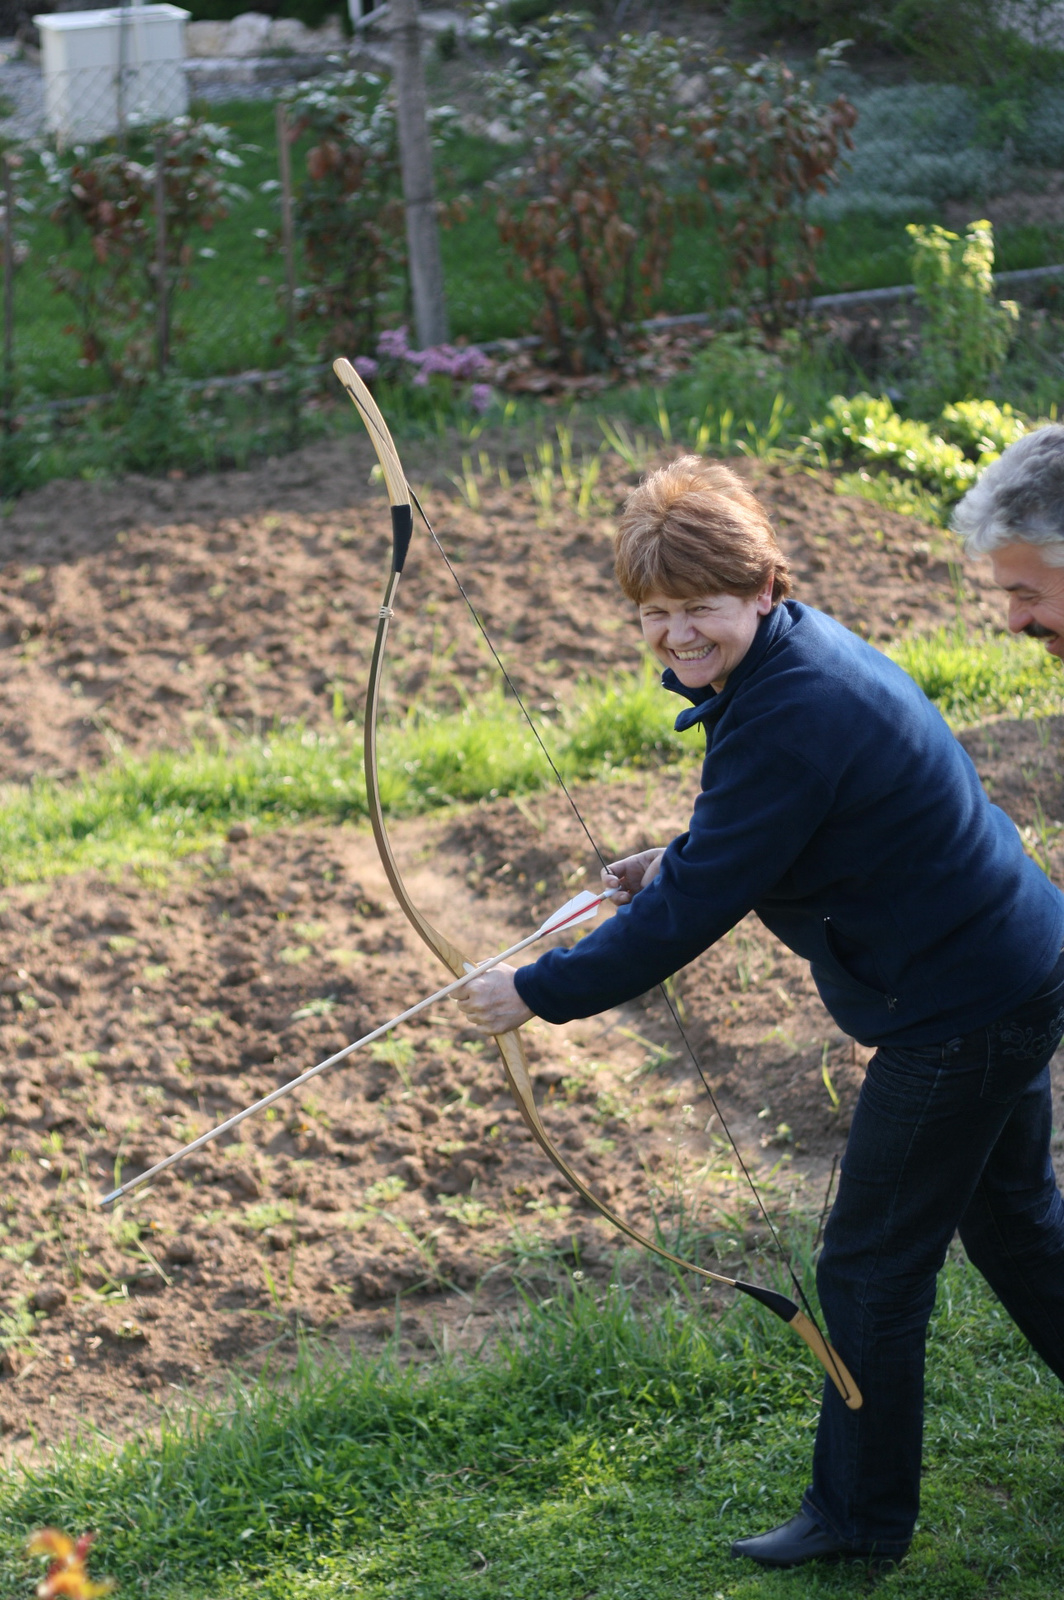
x=86, y=104
x=114, y=291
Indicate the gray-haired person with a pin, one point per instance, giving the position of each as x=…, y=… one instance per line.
x=1015, y=515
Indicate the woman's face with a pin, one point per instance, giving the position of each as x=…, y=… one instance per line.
x=704, y=637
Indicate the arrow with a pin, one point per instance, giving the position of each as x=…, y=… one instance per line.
x=581, y=908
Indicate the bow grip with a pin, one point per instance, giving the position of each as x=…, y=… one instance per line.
x=402, y=529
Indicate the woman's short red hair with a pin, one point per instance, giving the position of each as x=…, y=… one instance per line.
x=692, y=528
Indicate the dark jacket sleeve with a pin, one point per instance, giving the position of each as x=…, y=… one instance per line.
x=760, y=807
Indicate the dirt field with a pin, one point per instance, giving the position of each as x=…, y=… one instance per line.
x=136, y=1011
x=147, y=612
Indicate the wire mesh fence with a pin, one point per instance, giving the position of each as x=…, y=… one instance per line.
x=86, y=104
x=210, y=309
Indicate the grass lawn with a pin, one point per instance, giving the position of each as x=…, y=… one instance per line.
x=600, y=1451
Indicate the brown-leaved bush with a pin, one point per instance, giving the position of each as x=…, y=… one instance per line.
x=106, y=207
x=767, y=144
x=348, y=209
x=591, y=208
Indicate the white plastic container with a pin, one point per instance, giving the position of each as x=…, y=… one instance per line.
x=105, y=70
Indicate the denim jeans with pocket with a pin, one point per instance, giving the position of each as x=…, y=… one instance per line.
x=945, y=1138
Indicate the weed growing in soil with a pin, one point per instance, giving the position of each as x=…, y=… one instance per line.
x=596, y=1448
x=971, y=678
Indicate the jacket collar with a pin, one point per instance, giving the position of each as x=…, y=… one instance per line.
x=707, y=705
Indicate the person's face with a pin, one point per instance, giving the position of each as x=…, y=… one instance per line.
x=703, y=638
x=1035, y=591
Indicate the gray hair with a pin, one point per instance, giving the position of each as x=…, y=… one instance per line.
x=1020, y=497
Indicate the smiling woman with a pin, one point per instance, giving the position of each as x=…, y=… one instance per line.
x=698, y=556
x=703, y=637
x=836, y=805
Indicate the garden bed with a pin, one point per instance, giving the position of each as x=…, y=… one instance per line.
x=140, y=1006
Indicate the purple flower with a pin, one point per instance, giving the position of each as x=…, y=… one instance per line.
x=480, y=396
x=469, y=362
x=440, y=358
x=392, y=344
x=366, y=367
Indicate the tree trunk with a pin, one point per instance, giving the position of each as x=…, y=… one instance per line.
x=419, y=195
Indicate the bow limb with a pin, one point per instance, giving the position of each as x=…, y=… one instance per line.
x=511, y=1047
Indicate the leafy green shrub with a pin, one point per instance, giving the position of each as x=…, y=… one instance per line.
x=106, y=206
x=772, y=135
x=966, y=332
x=868, y=426
x=929, y=469
x=589, y=208
x=984, y=426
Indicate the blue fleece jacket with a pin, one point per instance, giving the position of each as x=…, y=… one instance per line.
x=837, y=805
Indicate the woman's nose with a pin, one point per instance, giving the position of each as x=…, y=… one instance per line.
x=680, y=631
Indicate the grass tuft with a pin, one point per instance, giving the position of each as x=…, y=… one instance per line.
x=974, y=676
x=147, y=810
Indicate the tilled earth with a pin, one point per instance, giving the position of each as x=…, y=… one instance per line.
x=144, y=612
x=137, y=1009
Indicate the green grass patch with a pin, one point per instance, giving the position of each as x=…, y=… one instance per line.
x=140, y=811
x=598, y=1451
x=974, y=676
x=136, y=811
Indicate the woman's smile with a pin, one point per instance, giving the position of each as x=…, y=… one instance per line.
x=702, y=638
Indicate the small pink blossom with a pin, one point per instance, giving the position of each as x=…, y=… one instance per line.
x=481, y=396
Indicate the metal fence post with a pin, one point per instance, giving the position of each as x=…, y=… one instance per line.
x=9, y=296
x=284, y=162
x=162, y=310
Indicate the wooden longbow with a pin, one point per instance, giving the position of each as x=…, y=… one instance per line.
x=511, y=1047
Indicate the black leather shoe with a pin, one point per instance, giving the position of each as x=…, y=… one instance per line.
x=802, y=1540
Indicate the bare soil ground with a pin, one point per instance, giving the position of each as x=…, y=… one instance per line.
x=138, y=1009
x=143, y=612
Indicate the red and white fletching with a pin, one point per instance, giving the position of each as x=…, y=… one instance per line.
x=581, y=908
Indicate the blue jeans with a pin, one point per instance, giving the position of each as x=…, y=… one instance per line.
x=945, y=1138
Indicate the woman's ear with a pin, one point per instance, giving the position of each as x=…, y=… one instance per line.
x=764, y=599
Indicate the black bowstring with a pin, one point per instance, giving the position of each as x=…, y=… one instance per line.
x=827, y=1198
x=674, y=1013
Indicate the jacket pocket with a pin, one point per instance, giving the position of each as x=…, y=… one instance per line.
x=836, y=965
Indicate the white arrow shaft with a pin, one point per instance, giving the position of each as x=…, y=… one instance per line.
x=552, y=925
